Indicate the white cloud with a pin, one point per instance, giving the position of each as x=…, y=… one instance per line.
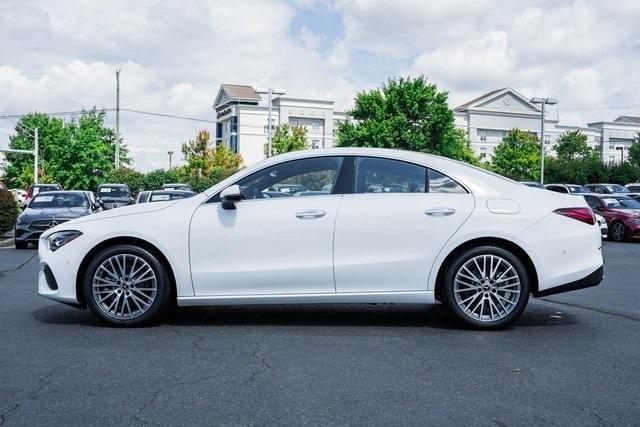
x=60, y=55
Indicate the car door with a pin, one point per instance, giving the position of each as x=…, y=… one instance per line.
x=390, y=230
x=274, y=242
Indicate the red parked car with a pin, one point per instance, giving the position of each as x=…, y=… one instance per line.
x=621, y=212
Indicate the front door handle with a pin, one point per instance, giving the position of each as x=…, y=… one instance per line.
x=311, y=214
x=440, y=211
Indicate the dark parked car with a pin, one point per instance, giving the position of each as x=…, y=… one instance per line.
x=176, y=186
x=40, y=188
x=48, y=209
x=568, y=188
x=533, y=184
x=166, y=195
x=607, y=188
x=621, y=212
x=114, y=195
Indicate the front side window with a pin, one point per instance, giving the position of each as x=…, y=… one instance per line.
x=298, y=178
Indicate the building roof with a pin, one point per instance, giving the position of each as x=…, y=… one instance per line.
x=480, y=101
x=236, y=93
x=628, y=119
x=473, y=101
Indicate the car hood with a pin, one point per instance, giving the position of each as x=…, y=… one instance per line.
x=127, y=210
x=57, y=213
x=629, y=213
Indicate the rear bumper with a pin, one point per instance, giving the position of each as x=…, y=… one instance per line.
x=592, y=279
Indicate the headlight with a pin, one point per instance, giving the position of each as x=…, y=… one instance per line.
x=22, y=221
x=634, y=221
x=60, y=238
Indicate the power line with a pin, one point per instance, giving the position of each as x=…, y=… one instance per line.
x=172, y=116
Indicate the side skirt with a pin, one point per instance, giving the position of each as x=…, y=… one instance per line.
x=417, y=297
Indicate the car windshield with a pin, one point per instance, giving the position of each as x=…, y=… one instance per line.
x=113, y=192
x=617, y=188
x=578, y=189
x=44, y=189
x=621, y=203
x=59, y=201
x=163, y=197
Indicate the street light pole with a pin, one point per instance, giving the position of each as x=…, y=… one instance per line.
x=170, y=153
x=270, y=92
x=542, y=102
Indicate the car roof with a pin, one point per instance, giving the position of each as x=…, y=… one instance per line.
x=113, y=185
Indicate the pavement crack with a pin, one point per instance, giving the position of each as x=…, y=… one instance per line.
x=14, y=269
x=263, y=361
x=591, y=308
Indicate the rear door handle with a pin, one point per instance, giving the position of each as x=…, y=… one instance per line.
x=311, y=214
x=440, y=211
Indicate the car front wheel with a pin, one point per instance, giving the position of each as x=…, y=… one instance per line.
x=486, y=287
x=126, y=285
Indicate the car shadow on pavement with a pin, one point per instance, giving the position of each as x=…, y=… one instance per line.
x=377, y=315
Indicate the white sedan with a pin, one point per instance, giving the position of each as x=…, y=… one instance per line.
x=378, y=226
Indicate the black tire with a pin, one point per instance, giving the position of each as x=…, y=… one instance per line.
x=21, y=245
x=519, y=304
x=163, y=284
x=617, y=232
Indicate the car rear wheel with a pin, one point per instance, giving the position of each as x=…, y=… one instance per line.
x=126, y=285
x=486, y=287
x=617, y=232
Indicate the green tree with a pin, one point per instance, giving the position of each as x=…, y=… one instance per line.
x=573, y=145
x=408, y=114
x=287, y=138
x=76, y=154
x=634, y=151
x=517, y=156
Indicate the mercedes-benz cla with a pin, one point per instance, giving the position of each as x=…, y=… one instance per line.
x=385, y=226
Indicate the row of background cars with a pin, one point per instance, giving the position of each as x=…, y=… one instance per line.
x=616, y=207
x=47, y=205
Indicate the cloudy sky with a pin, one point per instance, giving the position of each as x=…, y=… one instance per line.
x=60, y=55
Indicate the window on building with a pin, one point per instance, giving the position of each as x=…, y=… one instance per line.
x=482, y=134
x=483, y=152
x=315, y=143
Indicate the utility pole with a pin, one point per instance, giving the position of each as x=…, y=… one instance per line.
x=543, y=102
x=270, y=92
x=117, y=160
x=170, y=153
x=35, y=155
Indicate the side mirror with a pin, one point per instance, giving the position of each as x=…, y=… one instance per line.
x=599, y=208
x=230, y=196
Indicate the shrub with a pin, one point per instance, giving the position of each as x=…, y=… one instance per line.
x=8, y=211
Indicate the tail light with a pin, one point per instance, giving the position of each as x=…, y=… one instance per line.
x=581, y=214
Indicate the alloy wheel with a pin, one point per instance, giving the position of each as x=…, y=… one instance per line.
x=124, y=286
x=617, y=232
x=487, y=288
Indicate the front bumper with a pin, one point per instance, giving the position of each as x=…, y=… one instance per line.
x=591, y=280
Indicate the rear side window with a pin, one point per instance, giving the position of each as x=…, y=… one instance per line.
x=557, y=189
x=592, y=201
x=376, y=175
x=439, y=183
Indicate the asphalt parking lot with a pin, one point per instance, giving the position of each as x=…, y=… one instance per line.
x=571, y=359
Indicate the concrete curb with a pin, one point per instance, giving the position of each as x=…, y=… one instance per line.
x=6, y=242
